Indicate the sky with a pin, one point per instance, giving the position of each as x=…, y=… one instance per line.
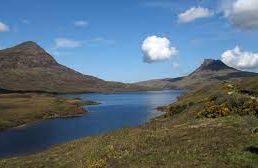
x=136, y=40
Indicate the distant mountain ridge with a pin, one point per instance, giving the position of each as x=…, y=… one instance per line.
x=210, y=71
x=28, y=67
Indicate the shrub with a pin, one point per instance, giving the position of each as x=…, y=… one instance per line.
x=212, y=110
x=175, y=109
x=224, y=105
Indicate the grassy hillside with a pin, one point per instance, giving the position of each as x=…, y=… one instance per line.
x=210, y=72
x=58, y=79
x=28, y=67
x=19, y=109
x=216, y=126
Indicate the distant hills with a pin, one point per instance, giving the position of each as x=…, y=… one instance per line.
x=211, y=71
x=28, y=67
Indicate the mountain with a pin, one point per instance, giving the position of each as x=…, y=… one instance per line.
x=28, y=67
x=210, y=71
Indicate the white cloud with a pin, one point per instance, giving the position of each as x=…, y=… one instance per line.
x=175, y=65
x=101, y=40
x=60, y=53
x=67, y=43
x=4, y=27
x=81, y=23
x=193, y=14
x=25, y=21
x=240, y=59
x=157, y=49
x=242, y=13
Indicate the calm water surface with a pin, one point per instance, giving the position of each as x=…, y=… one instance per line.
x=117, y=111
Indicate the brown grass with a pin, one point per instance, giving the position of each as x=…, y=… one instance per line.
x=177, y=139
x=19, y=109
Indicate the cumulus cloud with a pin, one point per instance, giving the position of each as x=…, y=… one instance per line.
x=242, y=13
x=157, y=49
x=67, y=43
x=81, y=23
x=4, y=27
x=240, y=59
x=194, y=13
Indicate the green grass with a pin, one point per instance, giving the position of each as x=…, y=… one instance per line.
x=226, y=98
x=176, y=139
x=20, y=109
x=203, y=143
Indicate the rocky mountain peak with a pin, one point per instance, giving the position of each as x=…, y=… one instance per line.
x=213, y=65
x=210, y=61
x=27, y=54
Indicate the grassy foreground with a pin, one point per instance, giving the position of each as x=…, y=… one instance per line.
x=225, y=142
x=190, y=134
x=20, y=109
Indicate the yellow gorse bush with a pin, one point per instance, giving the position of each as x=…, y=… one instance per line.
x=228, y=104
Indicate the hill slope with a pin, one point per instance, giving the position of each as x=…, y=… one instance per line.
x=28, y=67
x=211, y=71
x=192, y=133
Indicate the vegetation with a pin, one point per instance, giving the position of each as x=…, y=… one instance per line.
x=225, y=142
x=28, y=67
x=209, y=73
x=227, y=98
x=229, y=105
x=180, y=138
x=20, y=109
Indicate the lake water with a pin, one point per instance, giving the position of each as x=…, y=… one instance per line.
x=116, y=111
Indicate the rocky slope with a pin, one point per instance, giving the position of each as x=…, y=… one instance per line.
x=210, y=72
x=28, y=67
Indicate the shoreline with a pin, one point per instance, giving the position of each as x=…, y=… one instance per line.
x=154, y=119
x=50, y=107
x=44, y=119
x=80, y=107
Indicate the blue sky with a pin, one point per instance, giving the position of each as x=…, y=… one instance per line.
x=104, y=38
